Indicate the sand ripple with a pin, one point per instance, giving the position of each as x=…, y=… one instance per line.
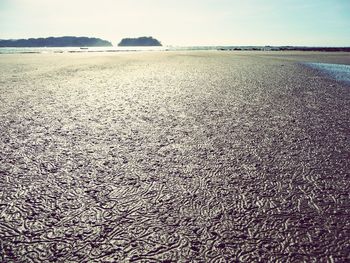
x=172, y=157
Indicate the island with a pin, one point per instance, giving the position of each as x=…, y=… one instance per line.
x=66, y=41
x=140, y=41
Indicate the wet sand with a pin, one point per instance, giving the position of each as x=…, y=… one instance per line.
x=173, y=157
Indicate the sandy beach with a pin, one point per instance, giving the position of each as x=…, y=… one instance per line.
x=207, y=156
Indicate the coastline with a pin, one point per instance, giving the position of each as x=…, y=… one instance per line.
x=108, y=49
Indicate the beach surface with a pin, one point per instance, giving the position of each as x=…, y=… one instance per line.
x=203, y=156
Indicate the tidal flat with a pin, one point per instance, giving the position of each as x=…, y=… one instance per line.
x=194, y=156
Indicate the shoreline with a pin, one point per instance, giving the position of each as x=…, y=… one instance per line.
x=39, y=50
x=290, y=56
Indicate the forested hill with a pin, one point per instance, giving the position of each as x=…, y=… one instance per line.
x=67, y=41
x=141, y=41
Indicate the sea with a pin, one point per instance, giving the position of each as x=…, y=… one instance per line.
x=21, y=50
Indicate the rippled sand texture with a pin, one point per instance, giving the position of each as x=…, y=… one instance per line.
x=170, y=156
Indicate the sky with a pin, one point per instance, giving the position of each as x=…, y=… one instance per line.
x=183, y=22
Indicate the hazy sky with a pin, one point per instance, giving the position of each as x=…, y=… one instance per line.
x=183, y=22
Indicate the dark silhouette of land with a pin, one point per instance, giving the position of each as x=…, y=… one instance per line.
x=325, y=49
x=66, y=41
x=285, y=48
x=141, y=41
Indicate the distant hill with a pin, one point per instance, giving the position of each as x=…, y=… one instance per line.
x=141, y=41
x=56, y=42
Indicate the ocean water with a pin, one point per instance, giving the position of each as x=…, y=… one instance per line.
x=19, y=50
x=14, y=50
x=338, y=71
x=23, y=50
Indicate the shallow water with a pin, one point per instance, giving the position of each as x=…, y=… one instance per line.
x=338, y=71
x=40, y=50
